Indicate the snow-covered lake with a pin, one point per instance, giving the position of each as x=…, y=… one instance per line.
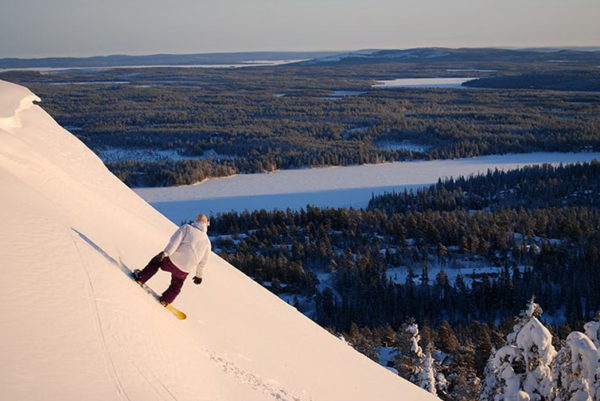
x=90, y=83
x=338, y=94
x=247, y=63
x=468, y=70
x=422, y=83
x=329, y=187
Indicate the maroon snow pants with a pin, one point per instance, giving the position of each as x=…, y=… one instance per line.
x=177, y=276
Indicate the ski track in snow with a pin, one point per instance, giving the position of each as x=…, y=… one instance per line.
x=93, y=301
x=112, y=370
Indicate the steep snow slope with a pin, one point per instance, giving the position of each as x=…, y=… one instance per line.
x=75, y=327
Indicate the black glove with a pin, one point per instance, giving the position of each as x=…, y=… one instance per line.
x=197, y=280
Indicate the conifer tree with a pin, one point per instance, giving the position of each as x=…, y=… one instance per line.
x=447, y=340
x=522, y=369
x=408, y=362
x=592, y=330
x=426, y=378
x=490, y=381
x=576, y=368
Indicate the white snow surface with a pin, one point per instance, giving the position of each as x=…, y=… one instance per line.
x=75, y=327
x=535, y=342
x=247, y=63
x=585, y=357
x=592, y=330
x=503, y=366
x=455, y=82
x=329, y=187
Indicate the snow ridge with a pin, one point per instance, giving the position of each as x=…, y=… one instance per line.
x=12, y=106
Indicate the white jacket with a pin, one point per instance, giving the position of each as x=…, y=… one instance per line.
x=189, y=248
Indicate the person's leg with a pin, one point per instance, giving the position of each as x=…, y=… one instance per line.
x=174, y=289
x=149, y=271
x=177, y=279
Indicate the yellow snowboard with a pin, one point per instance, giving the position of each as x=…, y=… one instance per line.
x=178, y=314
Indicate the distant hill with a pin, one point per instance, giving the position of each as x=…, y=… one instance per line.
x=157, y=59
x=580, y=81
x=445, y=55
x=365, y=56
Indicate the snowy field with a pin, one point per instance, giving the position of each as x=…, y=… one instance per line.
x=337, y=94
x=468, y=70
x=90, y=83
x=421, y=83
x=468, y=270
x=329, y=187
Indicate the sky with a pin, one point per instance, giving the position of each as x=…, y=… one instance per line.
x=42, y=28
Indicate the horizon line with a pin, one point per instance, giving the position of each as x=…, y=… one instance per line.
x=507, y=47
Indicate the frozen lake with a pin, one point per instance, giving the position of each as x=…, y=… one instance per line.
x=422, y=83
x=247, y=63
x=329, y=187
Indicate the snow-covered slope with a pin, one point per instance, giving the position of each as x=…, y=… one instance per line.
x=75, y=327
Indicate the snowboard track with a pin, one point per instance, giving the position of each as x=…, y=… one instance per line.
x=98, y=325
x=98, y=322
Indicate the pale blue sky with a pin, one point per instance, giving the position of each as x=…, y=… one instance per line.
x=35, y=28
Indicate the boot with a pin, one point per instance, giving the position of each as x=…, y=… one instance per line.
x=135, y=275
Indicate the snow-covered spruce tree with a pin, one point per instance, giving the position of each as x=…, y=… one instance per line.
x=508, y=366
x=408, y=362
x=426, y=378
x=412, y=363
x=490, y=382
x=525, y=315
x=575, y=370
x=535, y=342
x=561, y=374
x=592, y=330
x=522, y=369
x=422, y=368
x=441, y=386
x=413, y=330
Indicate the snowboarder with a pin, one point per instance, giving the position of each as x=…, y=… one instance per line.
x=187, y=252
